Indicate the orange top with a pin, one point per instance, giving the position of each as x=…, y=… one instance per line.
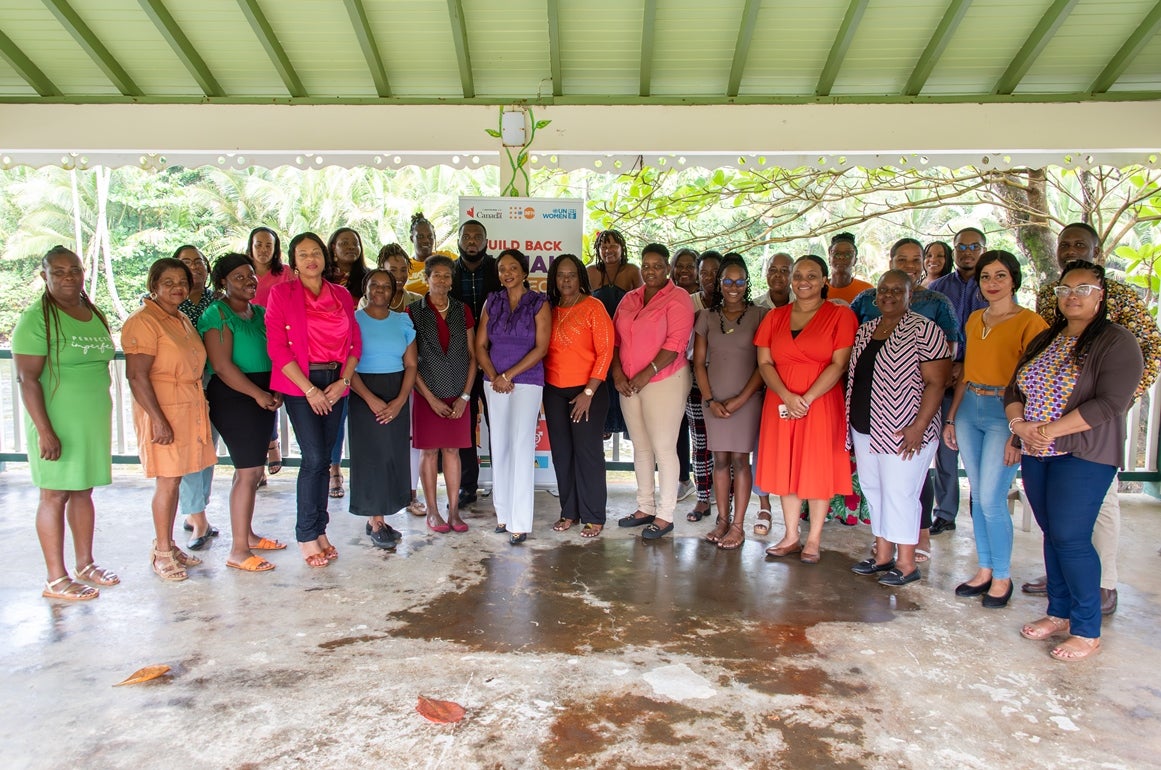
x=991, y=360
x=848, y=293
x=581, y=345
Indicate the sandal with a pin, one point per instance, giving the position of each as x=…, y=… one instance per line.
x=1046, y=627
x=695, y=515
x=166, y=565
x=762, y=525
x=252, y=564
x=185, y=559
x=331, y=553
x=91, y=573
x=273, y=459
x=1075, y=648
x=719, y=531
x=591, y=530
x=922, y=555
x=563, y=525
x=416, y=508
x=72, y=592
x=337, y=485
x=730, y=544
x=266, y=544
x=316, y=559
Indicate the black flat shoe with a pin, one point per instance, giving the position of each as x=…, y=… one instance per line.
x=518, y=539
x=198, y=543
x=996, y=602
x=896, y=578
x=869, y=567
x=500, y=529
x=963, y=589
x=942, y=525
x=655, y=532
x=189, y=528
x=635, y=521
x=382, y=537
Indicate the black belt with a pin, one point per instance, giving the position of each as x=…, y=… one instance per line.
x=325, y=366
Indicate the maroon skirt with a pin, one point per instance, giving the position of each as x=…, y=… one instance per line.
x=430, y=431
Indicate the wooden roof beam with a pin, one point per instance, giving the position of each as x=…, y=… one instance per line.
x=648, y=20
x=554, y=48
x=1033, y=46
x=1116, y=67
x=842, y=43
x=96, y=50
x=26, y=68
x=370, y=48
x=181, y=45
x=261, y=26
x=742, y=46
x=954, y=14
x=459, y=28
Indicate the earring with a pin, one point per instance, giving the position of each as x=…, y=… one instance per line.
x=875, y=302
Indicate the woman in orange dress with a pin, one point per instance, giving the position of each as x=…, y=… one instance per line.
x=803, y=351
x=164, y=360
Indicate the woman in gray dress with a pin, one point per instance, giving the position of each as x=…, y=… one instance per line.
x=724, y=336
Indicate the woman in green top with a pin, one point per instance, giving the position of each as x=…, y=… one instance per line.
x=62, y=348
x=242, y=407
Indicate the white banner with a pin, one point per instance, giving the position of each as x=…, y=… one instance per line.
x=541, y=228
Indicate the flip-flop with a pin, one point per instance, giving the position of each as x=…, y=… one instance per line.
x=252, y=564
x=266, y=544
x=922, y=555
x=591, y=530
x=563, y=525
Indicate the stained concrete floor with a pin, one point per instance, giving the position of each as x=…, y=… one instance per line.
x=609, y=653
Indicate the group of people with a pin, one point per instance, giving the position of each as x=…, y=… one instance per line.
x=820, y=389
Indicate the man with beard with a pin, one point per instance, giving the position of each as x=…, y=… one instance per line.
x=473, y=279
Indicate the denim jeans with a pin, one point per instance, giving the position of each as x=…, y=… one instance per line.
x=981, y=430
x=193, y=494
x=337, y=449
x=946, y=477
x=1065, y=493
x=316, y=436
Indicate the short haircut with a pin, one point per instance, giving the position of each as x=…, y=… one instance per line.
x=659, y=248
x=226, y=264
x=380, y=271
x=160, y=266
x=437, y=260
x=838, y=238
x=1007, y=259
x=516, y=254
x=977, y=231
x=1087, y=228
x=298, y=239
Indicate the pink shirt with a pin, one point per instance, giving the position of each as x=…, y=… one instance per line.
x=643, y=330
x=327, y=328
x=288, y=336
x=268, y=282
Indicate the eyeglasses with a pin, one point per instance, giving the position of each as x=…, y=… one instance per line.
x=968, y=246
x=896, y=292
x=734, y=282
x=1081, y=290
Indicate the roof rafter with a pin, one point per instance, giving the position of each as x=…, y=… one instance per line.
x=842, y=43
x=1033, y=46
x=1116, y=67
x=96, y=50
x=954, y=14
x=370, y=48
x=26, y=69
x=171, y=31
x=459, y=28
x=554, y=47
x=261, y=26
x=742, y=46
x=648, y=19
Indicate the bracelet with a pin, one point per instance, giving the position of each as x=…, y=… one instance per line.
x=504, y=376
x=312, y=390
x=1043, y=433
x=949, y=422
x=655, y=370
x=1012, y=423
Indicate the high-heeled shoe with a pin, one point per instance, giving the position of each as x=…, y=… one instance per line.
x=996, y=602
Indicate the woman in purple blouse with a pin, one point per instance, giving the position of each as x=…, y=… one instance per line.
x=511, y=341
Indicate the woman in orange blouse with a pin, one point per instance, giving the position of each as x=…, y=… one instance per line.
x=576, y=397
x=164, y=360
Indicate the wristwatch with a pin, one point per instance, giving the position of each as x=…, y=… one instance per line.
x=588, y=392
x=466, y=396
x=347, y=381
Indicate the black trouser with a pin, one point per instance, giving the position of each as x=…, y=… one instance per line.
x=578, y=453
x=469, y=460
x=683, y=450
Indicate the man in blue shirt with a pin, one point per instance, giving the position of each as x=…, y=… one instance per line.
x=961, y=288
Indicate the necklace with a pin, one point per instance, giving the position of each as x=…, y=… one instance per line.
x=984, y=322
x=438, y=309
x=738, y=322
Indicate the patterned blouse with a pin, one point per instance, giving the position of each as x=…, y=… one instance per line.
x=1047, y=382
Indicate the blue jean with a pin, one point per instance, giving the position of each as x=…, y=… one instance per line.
x=1065, y=493
x=193, y=494
x=981, y=430
x=316, y=437
x=337, y=449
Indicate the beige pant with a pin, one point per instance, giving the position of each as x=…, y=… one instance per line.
x=1106, y=535
x=654, y=419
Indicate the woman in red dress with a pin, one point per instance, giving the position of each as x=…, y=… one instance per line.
x=803, y=351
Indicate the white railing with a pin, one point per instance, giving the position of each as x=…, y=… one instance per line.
x=1142, y=443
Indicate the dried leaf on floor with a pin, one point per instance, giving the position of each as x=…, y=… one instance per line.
x=144, y=675
x=440, y=711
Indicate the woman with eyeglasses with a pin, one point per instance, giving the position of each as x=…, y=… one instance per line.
x=1066, y=404
x=725, y=364
x=975, y=424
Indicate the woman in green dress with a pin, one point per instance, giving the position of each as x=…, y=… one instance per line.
x=62, y=349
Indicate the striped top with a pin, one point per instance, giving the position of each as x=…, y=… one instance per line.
x=897, y=382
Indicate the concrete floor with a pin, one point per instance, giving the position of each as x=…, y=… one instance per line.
x=566, y=653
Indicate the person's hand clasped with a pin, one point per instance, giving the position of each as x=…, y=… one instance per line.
x=457, y=409
x=162, y=432
x=501, y=384
x=621, y=383
x=49, y=446
x=319, y=402
x=1030, y=437
x=911, y=441
x=719, y=410
x=640, y=380
x=797, y=406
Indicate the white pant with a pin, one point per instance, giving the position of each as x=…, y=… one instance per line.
x=891, y=486
x=654, y=419
x=513, y=418
x=1106, y=535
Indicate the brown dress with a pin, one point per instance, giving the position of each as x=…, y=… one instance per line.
x=731, y=359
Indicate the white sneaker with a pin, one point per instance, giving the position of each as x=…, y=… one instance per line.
x=684, y=489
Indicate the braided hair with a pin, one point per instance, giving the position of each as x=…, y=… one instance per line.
x=50, y=311
x=1080, y=350
x=732, y=259
x=614, y=235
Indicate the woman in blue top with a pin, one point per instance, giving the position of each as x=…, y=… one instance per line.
x=242, y=406
x=379, y=421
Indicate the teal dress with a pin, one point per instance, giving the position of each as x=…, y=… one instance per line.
x=76, y=396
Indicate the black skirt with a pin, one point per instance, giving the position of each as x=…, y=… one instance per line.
x=245, y=427
x=380, y=454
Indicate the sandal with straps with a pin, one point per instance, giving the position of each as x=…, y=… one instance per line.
x=1048, y=626
x=185, y=559
x=762, y=525
x=732, y=545
x=91, y=573
x=1076, y=648
x=166, y=566
x=72, y=592
x=720, y=529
